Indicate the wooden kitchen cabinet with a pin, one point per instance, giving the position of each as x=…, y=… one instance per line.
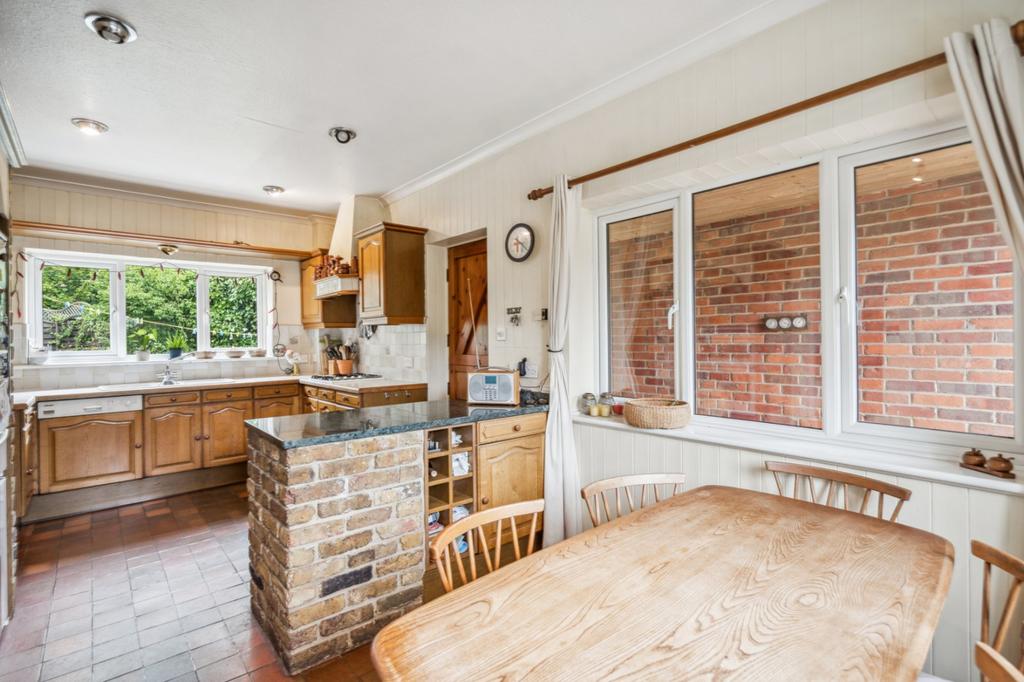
x=174, y=440
x=510, y=471
x=26, y=465
x=327, y=313
x=391, y=274
x=87, y=450
x=224, y=439
x=275, y=407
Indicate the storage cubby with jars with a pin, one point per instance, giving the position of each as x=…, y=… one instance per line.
x=450, y=454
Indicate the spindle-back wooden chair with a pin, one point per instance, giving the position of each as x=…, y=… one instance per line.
x=837, y=480
x=1014, y=566
x=445, y=551
x=993, y=666
x=621, y=487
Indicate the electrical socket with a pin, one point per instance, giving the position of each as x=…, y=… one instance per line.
x=500, y=334
x=531, y=370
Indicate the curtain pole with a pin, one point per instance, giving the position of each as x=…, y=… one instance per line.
x=1017, y=31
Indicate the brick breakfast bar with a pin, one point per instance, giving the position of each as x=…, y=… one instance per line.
x=336, y=530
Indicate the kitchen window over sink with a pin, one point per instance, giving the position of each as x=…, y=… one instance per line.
x=92, y=306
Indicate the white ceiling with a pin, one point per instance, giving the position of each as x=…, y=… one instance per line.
x=223, y=97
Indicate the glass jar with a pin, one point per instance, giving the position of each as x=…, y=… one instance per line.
x=605, y=404
x=587, y=402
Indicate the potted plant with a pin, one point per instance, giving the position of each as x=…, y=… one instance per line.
x=145, y=339
x=176, y=345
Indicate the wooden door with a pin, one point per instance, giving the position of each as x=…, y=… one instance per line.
x=88, y=450
x=371, y=275
x=224, y=439
x=275, y=407
x=310, y=304
x=467, y=306
x=510, y=471
x=174, y=440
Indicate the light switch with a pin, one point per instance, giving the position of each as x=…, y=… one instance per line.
x=500, y=334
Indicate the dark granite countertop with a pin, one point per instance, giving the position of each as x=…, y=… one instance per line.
x=301, y=430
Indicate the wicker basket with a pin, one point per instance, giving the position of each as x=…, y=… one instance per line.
x=657, y=413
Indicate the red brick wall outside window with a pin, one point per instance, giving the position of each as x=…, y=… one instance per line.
x=750, y=264
x=640, y=292
x=935, y=297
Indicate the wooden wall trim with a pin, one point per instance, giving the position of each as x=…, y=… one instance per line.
x=26, y=227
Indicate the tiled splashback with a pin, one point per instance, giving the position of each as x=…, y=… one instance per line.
x=45, y=377
x=394, y=352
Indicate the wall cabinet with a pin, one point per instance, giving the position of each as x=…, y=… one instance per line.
x=224, y=440
x=392, y=283
x=327, y=313
x=88, y=450
x=173, y=440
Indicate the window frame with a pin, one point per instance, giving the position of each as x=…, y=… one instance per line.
x=846, y=305
x=837, y=248
x=638, y=210
x=118, y=323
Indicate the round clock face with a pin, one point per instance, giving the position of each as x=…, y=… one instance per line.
x=799, y=323
x=785, y=323
x=519, y=242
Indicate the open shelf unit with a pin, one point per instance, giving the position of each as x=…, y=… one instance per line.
x=449, y=474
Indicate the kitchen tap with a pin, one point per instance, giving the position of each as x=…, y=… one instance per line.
x=168, y=378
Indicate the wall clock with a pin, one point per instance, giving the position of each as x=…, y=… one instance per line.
x=519, y=242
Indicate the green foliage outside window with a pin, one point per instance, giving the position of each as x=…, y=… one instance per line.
x=233, y=314
x=162, y=301
x=76, y=308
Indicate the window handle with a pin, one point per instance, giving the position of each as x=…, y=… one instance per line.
x=844, y=294
x=672, y=314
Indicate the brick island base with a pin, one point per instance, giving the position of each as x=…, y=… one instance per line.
x=336, y=541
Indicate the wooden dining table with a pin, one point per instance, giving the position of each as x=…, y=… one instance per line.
x=716, y=583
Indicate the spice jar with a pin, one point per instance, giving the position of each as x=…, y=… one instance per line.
x=605, y=404
x=587, y=403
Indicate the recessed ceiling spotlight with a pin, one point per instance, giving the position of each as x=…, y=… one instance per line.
x=917, y=178
x=917, y=159
x=272, y=190
x=89, y=126
x=111, y=29
x=341, y=134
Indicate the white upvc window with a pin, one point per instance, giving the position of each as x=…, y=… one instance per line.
x=101, y=307
x=919, y=343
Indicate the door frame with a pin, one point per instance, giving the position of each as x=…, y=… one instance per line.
x=473, y=247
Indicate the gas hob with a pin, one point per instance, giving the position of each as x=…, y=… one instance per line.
x=344, y=377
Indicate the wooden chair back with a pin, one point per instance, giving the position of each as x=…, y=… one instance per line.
x=621, y=487
x=828, y=495
x=444, y=547
x=992, y=556
x=993, y=667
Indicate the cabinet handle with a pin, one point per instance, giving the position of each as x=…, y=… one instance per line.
x=174, y=400
x=517, y=427
x=29, y=472
x=387, y=396
x=408, y=395
x=485, y=500
x=206, y=438
x=138, y=446
x=197, y=437
x=227, y=395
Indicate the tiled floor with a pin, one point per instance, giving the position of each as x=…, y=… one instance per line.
x=157, y=591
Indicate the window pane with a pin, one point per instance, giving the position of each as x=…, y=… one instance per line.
x=640, y=292
x=756, y=257
x=233, y=314
x=160, y=304
x=76, y=308
x=935, y=297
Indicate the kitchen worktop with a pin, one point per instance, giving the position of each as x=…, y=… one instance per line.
x=331, y=427
x=23, y=399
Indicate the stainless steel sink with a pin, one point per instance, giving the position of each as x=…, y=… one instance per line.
x=157, y=384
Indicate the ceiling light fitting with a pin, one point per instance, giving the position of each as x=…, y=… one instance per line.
x=111, y=29
x=89, y=126
x=341, y=134
x=168, y=249
x=272, y=190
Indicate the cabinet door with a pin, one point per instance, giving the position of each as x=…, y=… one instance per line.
x=88, y=450
x=275, y=407
x=310, y=304
x=510, y=471
x=224, y=432
x=371, y=275
x=28, y=460
x=174, y=440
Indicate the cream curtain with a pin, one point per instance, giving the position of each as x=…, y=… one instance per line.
x=561, y=468
x=988, y=72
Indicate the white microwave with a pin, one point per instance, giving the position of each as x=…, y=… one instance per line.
x=493, y=387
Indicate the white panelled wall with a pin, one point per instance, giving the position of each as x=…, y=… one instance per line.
x=957, y=514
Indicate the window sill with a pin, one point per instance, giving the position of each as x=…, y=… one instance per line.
x=891, y=461
x=132, y=362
